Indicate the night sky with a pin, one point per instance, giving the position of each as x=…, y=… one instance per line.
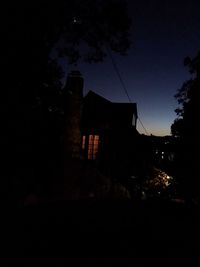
x=163, y=34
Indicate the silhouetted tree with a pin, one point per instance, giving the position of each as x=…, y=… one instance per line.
x=185, y=127
x=32, y=108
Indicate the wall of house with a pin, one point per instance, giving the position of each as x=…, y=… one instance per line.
x=112, y=122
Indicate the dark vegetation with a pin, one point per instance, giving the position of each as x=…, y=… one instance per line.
x=185, y=131
x=32, y=98
x=102, y=233
x=40, y=227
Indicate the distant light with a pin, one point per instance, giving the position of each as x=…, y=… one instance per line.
x=76, y=21
x=133, y=177
x=162, y=178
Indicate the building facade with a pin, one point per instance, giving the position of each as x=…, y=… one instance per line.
x=109, y=134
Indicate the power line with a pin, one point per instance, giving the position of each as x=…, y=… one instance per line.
x=123, y=84
x=143, y=126
x=119, y=75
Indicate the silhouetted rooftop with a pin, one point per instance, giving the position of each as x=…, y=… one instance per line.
x=117, y=108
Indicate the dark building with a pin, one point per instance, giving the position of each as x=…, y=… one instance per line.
x=109, y=134
x=99, y=131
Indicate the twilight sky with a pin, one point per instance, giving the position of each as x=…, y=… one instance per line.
x=164, y=32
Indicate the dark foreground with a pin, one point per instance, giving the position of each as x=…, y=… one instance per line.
x=125, y=233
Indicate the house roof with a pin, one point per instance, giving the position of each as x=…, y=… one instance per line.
x=93, y=96
x=115, y=107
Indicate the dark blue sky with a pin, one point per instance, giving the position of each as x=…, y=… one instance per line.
x=164, y=32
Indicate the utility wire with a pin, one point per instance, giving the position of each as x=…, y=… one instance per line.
x=119, y=75
x=143, y=126
x=123, y=84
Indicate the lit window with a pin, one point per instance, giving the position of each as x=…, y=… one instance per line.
x=134, y=120
x=83, y=142
x=93, y=146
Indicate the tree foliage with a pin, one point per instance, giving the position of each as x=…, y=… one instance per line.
x=188, y=100
x=32, y=92
x=185, y=128
x=82, y=27
x=79, y=30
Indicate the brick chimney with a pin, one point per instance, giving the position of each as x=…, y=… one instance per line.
x=73, y=101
